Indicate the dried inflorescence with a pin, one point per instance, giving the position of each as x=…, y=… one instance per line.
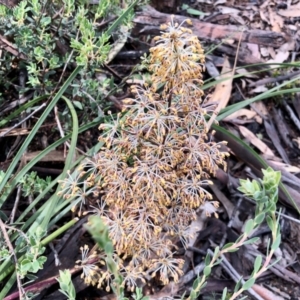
x=157, y=160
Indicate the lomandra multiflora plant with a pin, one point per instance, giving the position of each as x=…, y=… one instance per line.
x=154, y=169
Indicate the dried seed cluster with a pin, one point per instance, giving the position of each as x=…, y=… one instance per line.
x=157, y=160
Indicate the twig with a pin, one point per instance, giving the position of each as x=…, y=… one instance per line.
x=231, y=221
x=224, y=263
x=274, y=79
x=21, y=122
x=192, y=274
x=282, y=127
x=291, y=114
x=13, y=212
x=15, y=103
x=62, y=134
x=235, y=275
x=56, y=258
x=12, y=251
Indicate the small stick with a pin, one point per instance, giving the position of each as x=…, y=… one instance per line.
x=13, y=212
x=21, y=122
x=12, y=251
x=291, y=114
x=274, y=79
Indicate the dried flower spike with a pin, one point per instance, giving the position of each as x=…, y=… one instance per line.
x=154, y=170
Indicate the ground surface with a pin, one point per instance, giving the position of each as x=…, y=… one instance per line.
x=236, y=34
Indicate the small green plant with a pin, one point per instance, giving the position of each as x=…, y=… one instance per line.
x=49, y=38
x=265, y=194
x=66, y=285
x=33, y=184
x=100, y=234
x=32, y=249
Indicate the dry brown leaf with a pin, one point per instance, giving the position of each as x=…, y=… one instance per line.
x=246, y=113
x=222, y=92
x=229, y=10
x=260, y=108
x=295, y=6
x=280, y=57
x=246, y=73
x=263, y=16
x=220, y=2
x=205, y=1
x=258, y=90
x=264, y=51
x=196, y=226
x=265, y=4
x=292, y=12
x=281, y=165
x=275, y=20
x=254, y=48
x=272, y=52
x=255, y=141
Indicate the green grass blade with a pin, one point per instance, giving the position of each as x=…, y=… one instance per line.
x=34, y=130
x=9, y=284
x=69, y=159
x=59, y=231
x=119, y=21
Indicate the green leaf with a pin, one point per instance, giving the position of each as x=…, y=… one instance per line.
x=248, y=284
x=207, y=259
x=216, y=252
x=99, y=232
x=121, y=18
x=225, y=247
x=224, y=294
x=251, y=241
x=207, y=271
x=270, y=222
x=260, y=218
x=78, y=104
x=276, y=243
x=191, y=10
x=196, y=282
x=195, y=12
x=193, y=295
x=257, y=263
x=238, y=285
x=249, y=226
